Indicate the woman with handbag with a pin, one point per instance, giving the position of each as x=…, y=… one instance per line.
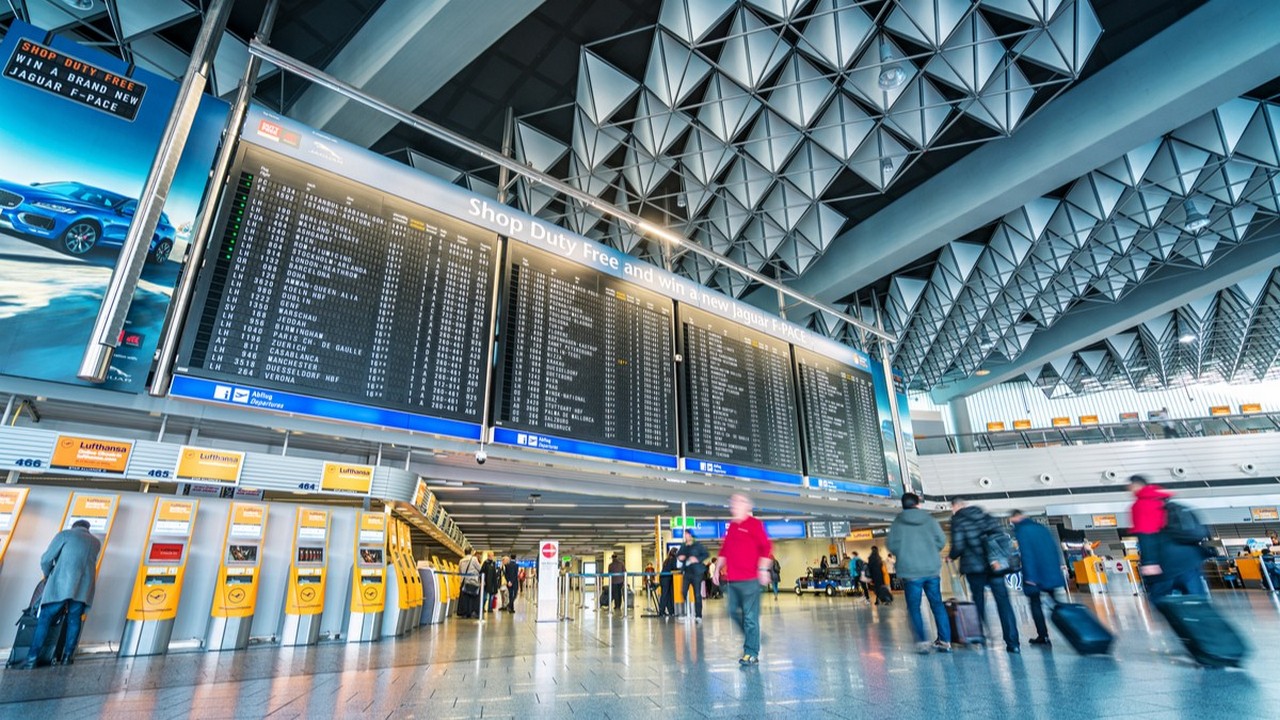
x=469, y=601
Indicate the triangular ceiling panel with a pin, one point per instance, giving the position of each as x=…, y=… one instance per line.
x=536, y=148
x=843, y=127
x=691, y=20
x=602, y=88
x=836, y=33
x=674, y=70
x=657, y=127
x=812, y=169
x=727, y=108
x=752, y=51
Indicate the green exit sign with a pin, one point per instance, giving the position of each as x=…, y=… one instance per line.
x=682, y=523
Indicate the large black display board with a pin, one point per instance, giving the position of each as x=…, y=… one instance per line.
x=318, y=285
x=738, y=402
x=838, y=412
x=585, y=355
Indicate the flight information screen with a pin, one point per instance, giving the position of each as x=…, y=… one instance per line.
x=841, y=426
x=318, y=285
x=738, y=400
x=585, y=355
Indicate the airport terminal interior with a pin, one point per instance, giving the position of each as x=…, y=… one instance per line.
x=428, y=358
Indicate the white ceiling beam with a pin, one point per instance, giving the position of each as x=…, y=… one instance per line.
x=406, y=52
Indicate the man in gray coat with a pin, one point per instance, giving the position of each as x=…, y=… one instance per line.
x=916, y=539
x=70, y=568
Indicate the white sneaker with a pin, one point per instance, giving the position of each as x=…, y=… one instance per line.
x=924, y=648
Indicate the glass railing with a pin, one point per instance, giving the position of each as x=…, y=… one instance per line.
x=1098, y=434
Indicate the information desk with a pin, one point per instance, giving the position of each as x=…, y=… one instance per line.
x=327, y=288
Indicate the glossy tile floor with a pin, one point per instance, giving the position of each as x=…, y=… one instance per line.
x=822, y=658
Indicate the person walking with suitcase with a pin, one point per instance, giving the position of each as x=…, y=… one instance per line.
x=916, y=539
x=970, y=528
x=617, y=576
x=747, y=555
x=1171, y=557
x=70, y=566
x=1041, y=569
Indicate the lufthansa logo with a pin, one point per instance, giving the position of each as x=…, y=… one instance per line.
x=371, y=593
x=236, y=595
x=307, y=594
x=156, y=597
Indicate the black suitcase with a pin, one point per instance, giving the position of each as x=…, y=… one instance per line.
x=54, y=643
x=1079, y=626
x=966, y=628
x=1210, y=639
x=631, y=599
x=604, y=596
x=883, y=596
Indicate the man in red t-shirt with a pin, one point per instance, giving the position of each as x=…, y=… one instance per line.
x=747, y=557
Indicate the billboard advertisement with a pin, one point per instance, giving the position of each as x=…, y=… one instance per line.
x=77, y=137
x=893, y=463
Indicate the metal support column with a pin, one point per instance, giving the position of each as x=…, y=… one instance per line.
x=894, y=410
x=124, y=277
x=168, y=347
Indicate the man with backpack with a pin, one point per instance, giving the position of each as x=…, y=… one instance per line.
x=1041, y=569
x=856, y=566
x=980, y=544
x=1169, y=541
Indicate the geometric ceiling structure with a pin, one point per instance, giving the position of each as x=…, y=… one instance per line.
x=752, y=127
x=1186, y=199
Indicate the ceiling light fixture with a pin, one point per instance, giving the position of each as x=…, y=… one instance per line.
x=892, y=76
x=982, y=372
x=81, y=5
x=1196, y=220
x=886, y=164
x=1187, y=339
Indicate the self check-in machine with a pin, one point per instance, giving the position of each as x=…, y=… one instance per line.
x=411, y=572
x=368, y=580
x=157, y=588
x=431, y=609
x=11, y=502
x=304, y=597
x=235, y=596
x=402, y=586
x=97, y=510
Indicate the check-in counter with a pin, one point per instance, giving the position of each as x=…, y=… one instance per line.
x=1091, y=573
x=304, y=599
x=430, y=594
x=12, y=500
x=368, y=579
x=157, y=588
x=235, y=594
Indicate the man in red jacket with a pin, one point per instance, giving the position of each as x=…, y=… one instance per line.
x=747, y=557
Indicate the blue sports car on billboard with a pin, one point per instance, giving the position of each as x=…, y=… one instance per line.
x=77, y=217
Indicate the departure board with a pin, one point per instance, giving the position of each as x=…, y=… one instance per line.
x=841, y=425
x=738, y=400
x=319, y=285
x=585, y=355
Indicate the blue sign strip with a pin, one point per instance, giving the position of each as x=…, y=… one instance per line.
x=247, y=396
x=850, y=487
x=540, y=441
x=716, y=529
x=711, y=467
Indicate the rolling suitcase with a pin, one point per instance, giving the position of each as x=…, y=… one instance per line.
x=883, y=595
x=53, y=646
x=631, y=599
x=965, y=625
x=1081, y=629
x=1210, y=639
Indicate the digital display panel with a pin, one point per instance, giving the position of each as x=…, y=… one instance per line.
x=311, y=555
x=319, y=285
x=840, y=420
x=738, y=400
x=585, y=355
x=242, y=553
x=370, y=556
x=165, y=553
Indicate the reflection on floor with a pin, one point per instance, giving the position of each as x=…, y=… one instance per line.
x=822, y=658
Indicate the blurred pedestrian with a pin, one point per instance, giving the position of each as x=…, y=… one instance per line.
x=747, y=555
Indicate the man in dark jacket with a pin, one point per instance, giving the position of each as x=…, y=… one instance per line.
x=666, y=582
x=617, y=577
x=70, y=567
x=970, y=527
x=691, y=558
x=916, y=540
x=491, y=575
x=511, y=573
x=1041, y=568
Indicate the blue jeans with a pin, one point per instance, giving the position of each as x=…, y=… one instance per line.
x=744, y=608
x=1190, y=582
x=932, y=589
x=488, y=602
x=48, y=611
x=1004, y=607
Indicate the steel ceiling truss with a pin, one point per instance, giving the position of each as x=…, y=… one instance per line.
x=1095, y=242
x=748, y=112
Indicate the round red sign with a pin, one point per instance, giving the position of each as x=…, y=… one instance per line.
x=548, y=550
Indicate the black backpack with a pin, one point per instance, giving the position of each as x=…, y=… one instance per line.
x=1003, y=557
x=1182, y=525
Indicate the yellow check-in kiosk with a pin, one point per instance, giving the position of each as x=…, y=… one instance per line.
x=411, y=572
x=304, y=596
x=368, y=579
x=235, y=595
x=157, y=589
x=402, y=594
x=12, y=501
x=96, y=509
